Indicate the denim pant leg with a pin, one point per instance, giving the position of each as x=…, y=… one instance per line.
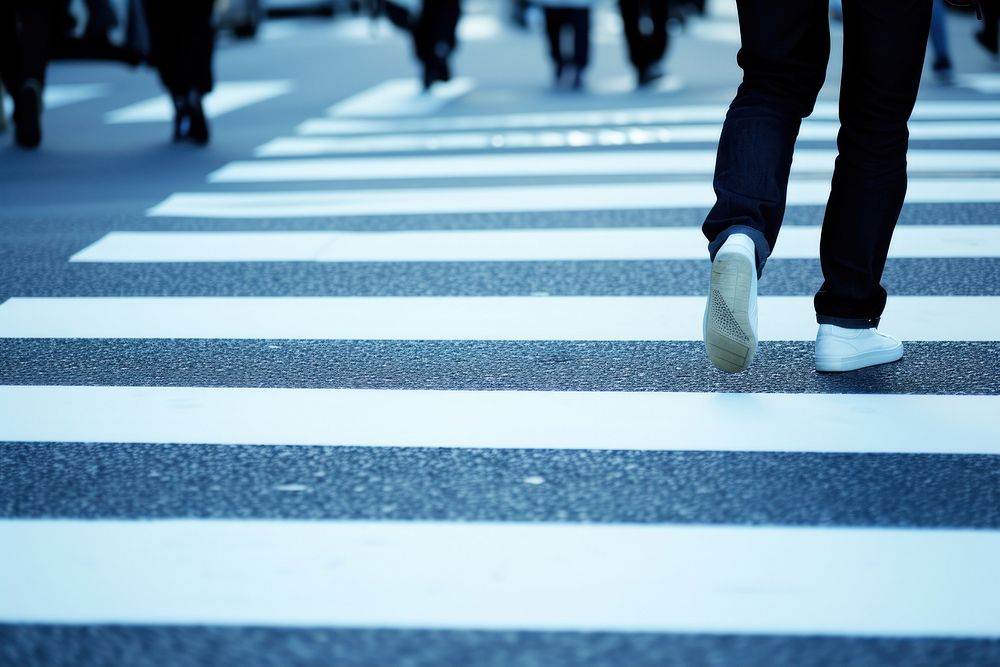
x=884, y=47
x=784, y=53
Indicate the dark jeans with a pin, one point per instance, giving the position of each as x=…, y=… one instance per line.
x=785, y=49
x=434, y=33
x=645, y=48
x=27, y=30
x=558, y=19
x=181, y=43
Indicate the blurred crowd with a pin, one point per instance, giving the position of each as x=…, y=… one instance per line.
x=177, y=38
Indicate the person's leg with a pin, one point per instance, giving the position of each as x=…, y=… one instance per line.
x=659, y=13
x=784, y=53
x=634, y=38
x=196, y=40
x=34, y=40
x=10, y=54
x=182, y=41
x=785, y=48
x=989, y=36
x=553, y=31
x=884, y=47
x=581, y=38
x=939, y=42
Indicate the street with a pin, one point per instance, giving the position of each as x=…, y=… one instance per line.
x=386, y=377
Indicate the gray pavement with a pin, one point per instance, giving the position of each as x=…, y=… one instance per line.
x=907, y=497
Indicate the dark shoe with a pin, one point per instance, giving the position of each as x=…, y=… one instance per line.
x=577, y=83
x=190, y=123
x=182, y=118
x=988, y=42
x=943, y=69
x=28, y=115
x=199, y=123
x=649, y=75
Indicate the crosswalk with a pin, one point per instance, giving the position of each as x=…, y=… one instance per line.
x=451, y=456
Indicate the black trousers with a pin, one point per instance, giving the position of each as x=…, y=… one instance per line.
x=991, y=19
x=434, y=33
x=27, y=31
x=558, y=19
x=645, y=48
x=181, y=43
x=785, y=49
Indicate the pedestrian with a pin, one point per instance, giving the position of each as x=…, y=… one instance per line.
x=784, y=54
x=182, y=40
x=941, y=65
x=645, y=25
x=435, y=38
x=989, y=36
x=567, y=28
x=27, y=29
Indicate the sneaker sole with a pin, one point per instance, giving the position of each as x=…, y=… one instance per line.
x=858, y=361
x=729, y=337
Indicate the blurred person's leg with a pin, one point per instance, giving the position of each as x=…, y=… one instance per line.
x=635, y=40
x=35, y=28
x=659, y=14
x=182, y=41
x=435, y=38
x=941, y=65
x=784, y=52
x=884, y=47
x=553, y=33
x=989, y=36
x=580, y=21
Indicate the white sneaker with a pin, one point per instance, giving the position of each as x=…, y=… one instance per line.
x=840, y=349
x=730, y=326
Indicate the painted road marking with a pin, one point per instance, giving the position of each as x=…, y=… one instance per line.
x=915, y=318
x=524, y=198
x=506, y=245
x=653, y=421
x=503, y=576
x=228, y=96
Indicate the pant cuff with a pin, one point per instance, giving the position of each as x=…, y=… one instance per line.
x=849, y=322
x=761, y=246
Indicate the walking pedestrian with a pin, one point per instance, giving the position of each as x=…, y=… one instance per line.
x=182, y=41
x=567, y=28
x=941, y=65
x=27, y=29
x=645, y=25
x=784, y=54
x=435, y=38
x=989, y=36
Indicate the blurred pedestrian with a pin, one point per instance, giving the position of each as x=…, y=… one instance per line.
x=645, y=24
x=989, y=36
x=941, y=65
x=435, y=38
x=567, y=27
x=182, y=40
x=27, y=29
x=784, y=54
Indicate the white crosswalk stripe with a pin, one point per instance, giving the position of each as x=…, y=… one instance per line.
x=523, y=198
x=458, y=318
x=576, y=420
x=228, y=96
x=508, y=245
x=640, y=578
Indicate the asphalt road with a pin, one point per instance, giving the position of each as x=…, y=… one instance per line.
x=323, y=417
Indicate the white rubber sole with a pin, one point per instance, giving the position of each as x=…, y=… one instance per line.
x=841, y=364
x=730, y=337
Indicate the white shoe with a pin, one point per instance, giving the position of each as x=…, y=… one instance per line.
x=730, y=326
x=840, y=349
